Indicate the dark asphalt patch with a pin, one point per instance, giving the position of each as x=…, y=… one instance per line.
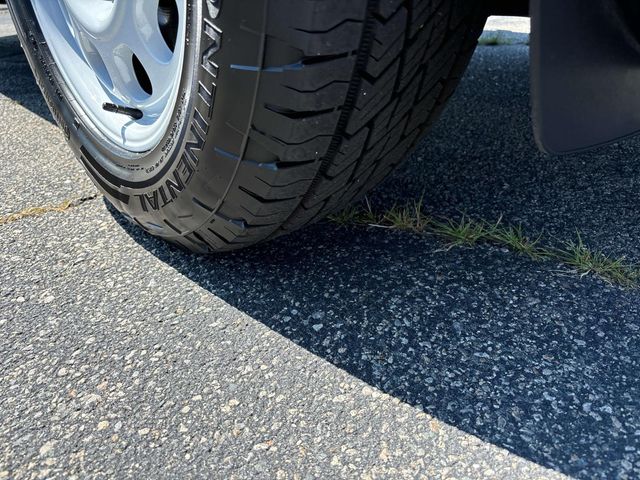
x=523, y=355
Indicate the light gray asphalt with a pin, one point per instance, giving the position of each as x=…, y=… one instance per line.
x=506, y=31
x=6, y=27
x=333, y=352
x=30, y=141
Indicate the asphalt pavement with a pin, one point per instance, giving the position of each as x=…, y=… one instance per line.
x=334, y=352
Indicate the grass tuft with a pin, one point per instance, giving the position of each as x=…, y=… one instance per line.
x=514, y=238
x=585, y=261
x=466, y=232
x=462, y=232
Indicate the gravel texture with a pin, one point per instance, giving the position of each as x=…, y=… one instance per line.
x=6, y=27
x=334, y=352
x=121, y=356
x=30, y=144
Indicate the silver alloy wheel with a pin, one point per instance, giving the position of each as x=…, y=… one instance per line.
x=123, y=53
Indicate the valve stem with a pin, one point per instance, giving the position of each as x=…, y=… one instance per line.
x=122, y=110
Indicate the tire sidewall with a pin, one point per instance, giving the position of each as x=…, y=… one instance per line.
x=113, y=169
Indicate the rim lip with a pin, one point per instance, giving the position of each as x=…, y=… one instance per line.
x=90, y=93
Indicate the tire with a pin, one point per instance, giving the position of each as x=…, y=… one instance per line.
x=288, y=110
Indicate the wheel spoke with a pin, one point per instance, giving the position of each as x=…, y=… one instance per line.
x=147, y=29
x=158, y=72
x=150, y=47
x=118, y=64
x=94, y=17
x=132, y=30
x=123, y=43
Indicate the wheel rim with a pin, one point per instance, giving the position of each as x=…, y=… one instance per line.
x=122, y=53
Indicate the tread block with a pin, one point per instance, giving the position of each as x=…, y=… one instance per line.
x=426, y=12
x=387, y=43
x=333, y=116
x=315, y=74
x=372, y=98
x=326, y=97
x=386, y=8
x=349, y=153
x=292, y=152
x=321, y=27
x=313, y=15
x=296, y=130
x=419, y=113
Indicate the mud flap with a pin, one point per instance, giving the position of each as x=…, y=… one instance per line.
x=585, y=72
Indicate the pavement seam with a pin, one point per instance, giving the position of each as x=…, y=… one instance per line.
x=469, y=232
x=43, y=210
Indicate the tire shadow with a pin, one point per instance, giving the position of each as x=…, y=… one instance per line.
x=16, y=79
x=542, y=364
x=524, y=355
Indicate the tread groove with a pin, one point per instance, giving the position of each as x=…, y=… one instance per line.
x=351, y=98
x=336, y=94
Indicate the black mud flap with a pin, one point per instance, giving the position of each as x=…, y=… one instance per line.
x=585, y=72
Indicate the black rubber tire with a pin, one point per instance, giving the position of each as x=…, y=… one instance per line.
x=290, y=110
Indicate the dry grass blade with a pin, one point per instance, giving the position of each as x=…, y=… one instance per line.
x=37, y=211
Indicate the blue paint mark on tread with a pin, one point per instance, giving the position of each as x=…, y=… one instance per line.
x=280, y=69
x=225, y=153
x=267, y=166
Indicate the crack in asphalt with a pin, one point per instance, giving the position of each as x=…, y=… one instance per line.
x=468, y=232
x=43, y=210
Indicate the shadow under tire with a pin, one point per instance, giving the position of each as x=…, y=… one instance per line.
x=287, y=110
